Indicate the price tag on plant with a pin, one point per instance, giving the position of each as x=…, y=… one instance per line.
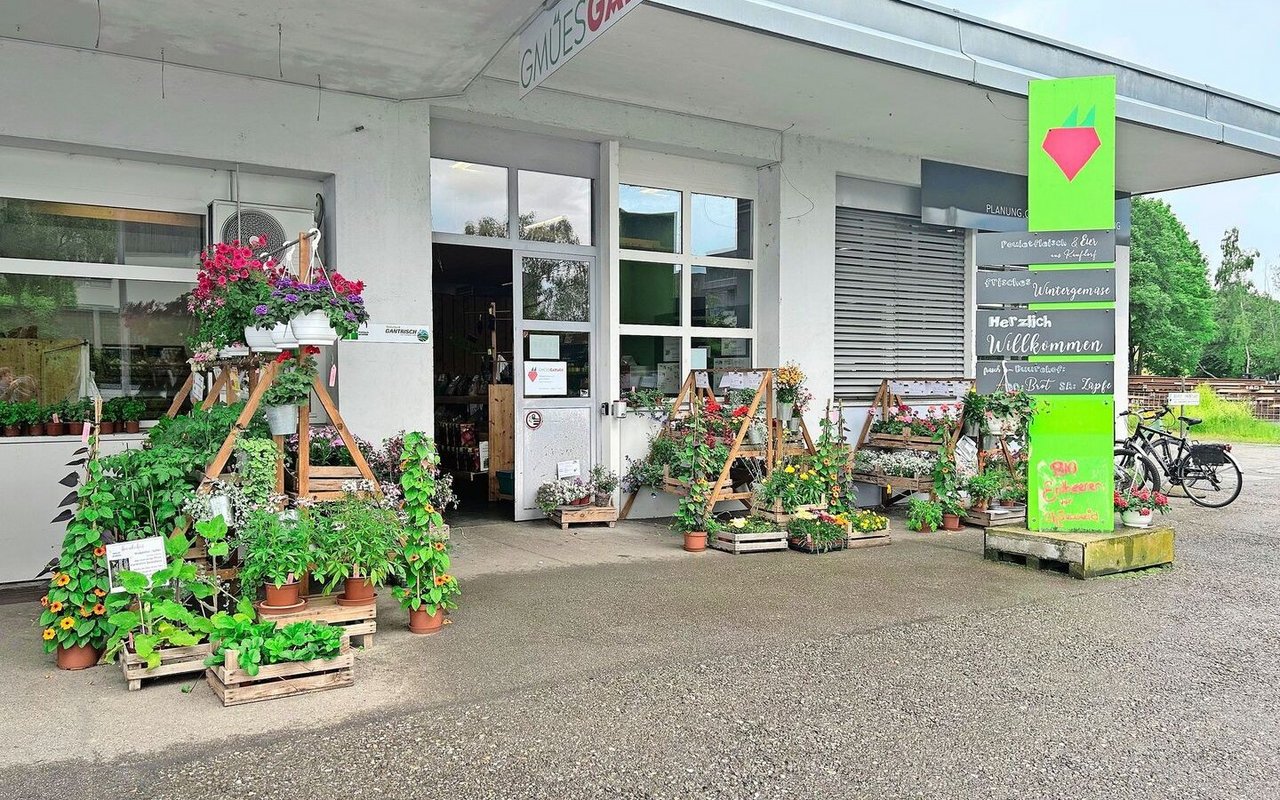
x=333, y=375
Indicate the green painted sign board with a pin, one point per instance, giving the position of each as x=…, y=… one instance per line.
x=1071, y=185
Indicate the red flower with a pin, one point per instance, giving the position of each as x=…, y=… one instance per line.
x=740, y=412
x=283, y=357
x=311, y=350
x=712, y=407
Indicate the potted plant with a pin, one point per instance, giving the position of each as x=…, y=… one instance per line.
x=817, y=532
x=321, y=311
x=1007, y=412
x=952, y=511
x=603, y=483
x=53, y=419
x=110, y=410
x=290, y=389
x=693, y=518
x=787, y=381
x=356, y=545
x=562, y=492
x=426, y=589
x=131, y=411
x=277, y=551
x=788, y=489
x=1137, y=506
x=984, y=486
x=230, y=284
x=923, y=515
x=75, y=414
x=11, y=418
x=971, y=414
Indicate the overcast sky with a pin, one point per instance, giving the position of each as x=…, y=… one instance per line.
x=1228, y=44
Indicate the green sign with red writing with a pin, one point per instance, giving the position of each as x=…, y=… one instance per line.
x=1071, y=184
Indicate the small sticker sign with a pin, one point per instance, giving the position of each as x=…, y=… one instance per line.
x=546, y=378
x=1183, y=399
x=533, y=420
x=394, y=334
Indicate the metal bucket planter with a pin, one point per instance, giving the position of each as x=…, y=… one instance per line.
x=282, y=420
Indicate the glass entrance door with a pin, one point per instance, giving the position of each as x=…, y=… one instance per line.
x=556, y=419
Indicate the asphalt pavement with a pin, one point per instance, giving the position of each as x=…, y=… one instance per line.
x=911, y=671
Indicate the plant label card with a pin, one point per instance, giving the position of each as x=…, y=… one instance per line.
x=544, y=347
x=702, y=380
x=145, y=556
x=546, y=378
x=568, y=469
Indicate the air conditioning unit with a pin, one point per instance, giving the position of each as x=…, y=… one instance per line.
x=277, y=223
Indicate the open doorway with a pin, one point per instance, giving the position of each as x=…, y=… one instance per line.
x=474, y=364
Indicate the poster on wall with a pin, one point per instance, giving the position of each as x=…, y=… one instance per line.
x=669, y=377
x=546, y=378
x=145, y=556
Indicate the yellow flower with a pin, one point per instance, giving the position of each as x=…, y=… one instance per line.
x=739, y=522
x=789, y=469
x=62, y=579
x=85, y=611
x=55, y=606
x=49, y=634
x=67, y=623
x=805, y=514
x=804, y=476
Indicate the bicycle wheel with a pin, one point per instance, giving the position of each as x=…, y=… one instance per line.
x=1212, y=485
x=1134, y=470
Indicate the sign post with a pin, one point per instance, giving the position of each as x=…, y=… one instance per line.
x=1070, y=192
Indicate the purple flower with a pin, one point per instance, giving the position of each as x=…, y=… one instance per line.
x=350, y=317
x=261, y=309
x=355, y=298
x=291, y=298
x=333, y=301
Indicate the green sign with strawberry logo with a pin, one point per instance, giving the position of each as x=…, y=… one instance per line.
x=1071, y=184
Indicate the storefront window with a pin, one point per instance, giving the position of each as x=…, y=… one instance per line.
x=130, y=334
x=33, y=229
x=468, y=198
x=720, y=226
x=721, y=297
x=650, y=362
x=557, y=289
x=719, y=353
x=554, y=208
x=550, y=356
x=649, y=293
x=649, y=219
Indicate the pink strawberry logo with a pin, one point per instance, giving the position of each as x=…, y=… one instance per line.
x=1072, y=145
x=533, y=376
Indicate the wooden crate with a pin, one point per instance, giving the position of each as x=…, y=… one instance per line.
x=804, y=546
x=1006, y=515
x=234, y=686
x=895, y=482
x=564, y=516
x=905, y=441
x=872, y=539
x=774, y=512
x=360, y=622
x=735, y=542
x=173, y=661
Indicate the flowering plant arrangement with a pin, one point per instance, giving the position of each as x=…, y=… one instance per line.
x=230, y=283
x=868, y=521
x=833, y=463
x=292, y=384
x=1010, y=411
x=896, y=463
x=340, y=300
x=1140, y=500
x=751, y=525
x=787, y=382
x=933, y=423
x=819, y=532
x=423, y=566
x=203, y=354
x=560, y=492
x=692, y=512
x=793, y=486
x=73, y=610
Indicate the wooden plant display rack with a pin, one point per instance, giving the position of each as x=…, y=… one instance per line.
x=697, y=389
x=564, y=516
x=360, y=621
x=234, y=686
x=173, y=661
x=894, y=392
x=1005, y=515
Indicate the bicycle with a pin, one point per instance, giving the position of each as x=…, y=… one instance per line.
x=1206, y=472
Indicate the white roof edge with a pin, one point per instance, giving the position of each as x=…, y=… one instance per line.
x=924, y=36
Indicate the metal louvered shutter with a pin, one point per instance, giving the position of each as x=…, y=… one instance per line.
x=899, y=301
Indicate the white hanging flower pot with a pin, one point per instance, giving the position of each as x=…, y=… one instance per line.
x=282, y=336
x=234, y=351
x=282, y=420
x=314, y=329
x=260, y=340
x=1136, y=519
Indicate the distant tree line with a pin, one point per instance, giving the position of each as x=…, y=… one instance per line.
x=1182, y=322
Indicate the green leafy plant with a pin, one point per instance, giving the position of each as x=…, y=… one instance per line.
x=356, y=538
x=277, y=549
x=73, y=612
x=423, y=567
x=986, y=485
x=750, y=525
x=647, y=400
x=603, y=479
x=923, y=515
x=833, y=465
x=113, y=409
x=131, y=409
x=795, y=485
x=693, y=514
x=1012, y=405
x=261, y=643
x=10, y=414
x=258, y=470
x=293, y=381
x=151, y=614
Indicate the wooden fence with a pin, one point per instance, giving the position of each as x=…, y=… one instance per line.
x=1149, y=392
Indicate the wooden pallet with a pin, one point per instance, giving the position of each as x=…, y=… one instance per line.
x=173, y=661
x=564, y=516
x=985, y=519
x=873, y=539
x=905, y=442
x=735, y=542
x=360, y=622
x=1080, y=555
x=234, y=686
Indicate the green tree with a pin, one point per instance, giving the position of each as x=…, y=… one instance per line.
x=1240, y=311
x=1170, y=301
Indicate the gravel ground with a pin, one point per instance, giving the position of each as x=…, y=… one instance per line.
x=1152, y=686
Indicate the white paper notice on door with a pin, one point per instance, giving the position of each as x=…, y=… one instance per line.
x=698, y=358
x=544, y=346
x=546, y=378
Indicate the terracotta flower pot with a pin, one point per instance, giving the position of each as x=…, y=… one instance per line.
x=80, y=656
x=53, y=428
x=422, y=622
x=35, y=429
x=132, y=426
x=73, y=428
x=585, y=500
x=12, y=430
x=107, y=427
x=282, y=598
x=695, y=541
x=357, y=592
x=951, y=522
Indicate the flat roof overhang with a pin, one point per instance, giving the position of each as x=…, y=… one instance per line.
x=908, y=78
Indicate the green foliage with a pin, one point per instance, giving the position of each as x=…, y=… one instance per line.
x=693, y=514
x=1171, y=305
x=204, y=431
x=820, y=532
x=258, y=472
x=751, y=525
x=423, y=567
x=73, y=609
x=987, y=485
x=833, y=466
x=292, y=385
x=277, y=550
x=647, y=400
x=1228, y=420
x=149, y=487
x=794, y=485
x=355, y=538
x=923, y=515
x=603, y=479
x=260, y=643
